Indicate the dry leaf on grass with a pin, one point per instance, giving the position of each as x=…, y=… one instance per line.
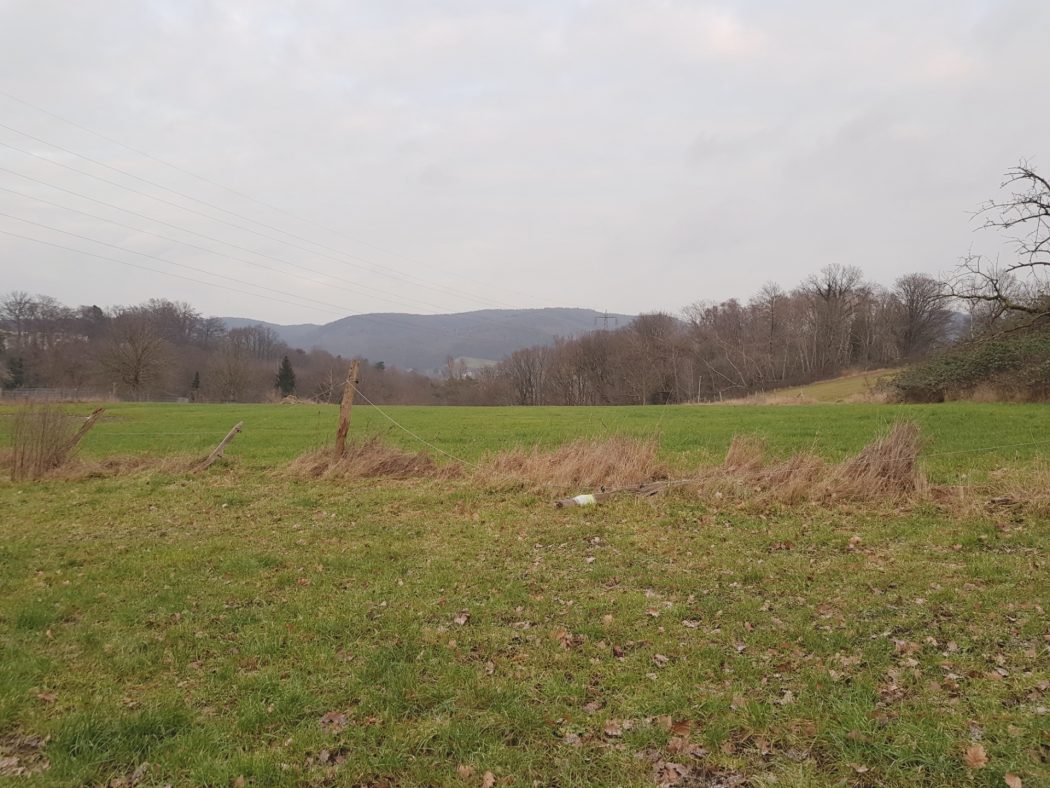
x=666, y=773
x=333, y=722
x=1012, y=780
x=975, y=757
x=488, y=780
x=615, y=728
x=462, y=617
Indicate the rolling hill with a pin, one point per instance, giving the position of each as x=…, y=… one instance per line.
x=424, y=342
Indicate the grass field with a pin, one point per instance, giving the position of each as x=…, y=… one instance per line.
x=246, y=627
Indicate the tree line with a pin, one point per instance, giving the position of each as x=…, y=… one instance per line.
x=166, y=350
x=832, y=321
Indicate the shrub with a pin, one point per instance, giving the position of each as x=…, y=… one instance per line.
x=1014, y=366
x=41, y=440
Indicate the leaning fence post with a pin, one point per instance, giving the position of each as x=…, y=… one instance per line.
x=216, y=453
x=89, y=422
x=344, y=409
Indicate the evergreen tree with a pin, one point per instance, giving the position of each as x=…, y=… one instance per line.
x=16, y=373
x=195, y=386
x=285, y=382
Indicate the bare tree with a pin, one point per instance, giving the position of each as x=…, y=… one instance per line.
x=836, y=293
x=16, y=311
x=134, y=351
x=1019, y=287
x=526, y=370
x=922, y=318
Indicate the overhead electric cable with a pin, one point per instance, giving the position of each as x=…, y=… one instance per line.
x=353, y=286
x=210, y=182
x=371, y=267
x=206, y=216
x=144, y=268
x=334, y=307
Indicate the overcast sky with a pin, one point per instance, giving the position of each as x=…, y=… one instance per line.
x=448, y=156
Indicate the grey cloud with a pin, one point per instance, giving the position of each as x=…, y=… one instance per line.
x=611, y=153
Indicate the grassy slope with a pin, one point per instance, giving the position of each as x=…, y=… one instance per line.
x=205, y=625
x=839, y=389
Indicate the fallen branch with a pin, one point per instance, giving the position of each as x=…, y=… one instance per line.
x=216, y=453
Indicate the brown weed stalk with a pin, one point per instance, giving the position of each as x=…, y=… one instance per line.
x=41, y=440
x=370, y=459
x=580, y=466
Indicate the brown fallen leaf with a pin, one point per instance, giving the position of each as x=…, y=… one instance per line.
x=613, y=728
x=682, y=727
x=463, y=771
x=1012, y=780
x=334, y=722
x=680, y=744
x=975, y=757
x=488, y=780
x=666, y=773
x=462, y=617
x=240, y=782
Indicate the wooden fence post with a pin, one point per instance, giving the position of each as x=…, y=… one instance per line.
x=89, y=422
x=216, y=453
x=344, y=409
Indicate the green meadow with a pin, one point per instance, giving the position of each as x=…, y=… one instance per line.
x=245, y=627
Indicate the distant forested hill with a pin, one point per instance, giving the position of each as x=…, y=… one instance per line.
x=424, y=342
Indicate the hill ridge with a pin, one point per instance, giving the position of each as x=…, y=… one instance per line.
x=424, y=342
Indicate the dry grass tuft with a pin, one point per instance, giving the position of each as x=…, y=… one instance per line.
x=42, y=440
x=125, y=465
x=370, y=459
x=585, y=464
x=746, y=454
x=886, y=469
x=794, y=480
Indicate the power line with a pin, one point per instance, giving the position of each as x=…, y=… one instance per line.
x=381, y=320
x=370, y=265
x=382, y=294
x=215, y=184
x=190, y=210
x=483, y=318
x=377, y=294
x=335, y=307
x=144, y=268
